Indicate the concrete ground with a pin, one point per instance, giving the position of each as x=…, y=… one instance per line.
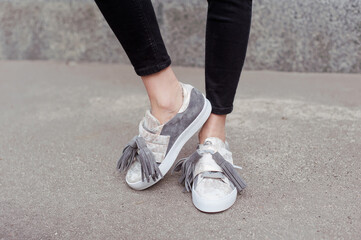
x=63, y=126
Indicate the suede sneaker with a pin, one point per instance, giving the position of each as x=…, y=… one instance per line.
x=210, y=175
x=150, y=154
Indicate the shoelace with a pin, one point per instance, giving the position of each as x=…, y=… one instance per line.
x=187, y=166
x=137, y=149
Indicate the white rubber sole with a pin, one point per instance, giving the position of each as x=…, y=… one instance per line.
x=213, y=205
x=172, y=155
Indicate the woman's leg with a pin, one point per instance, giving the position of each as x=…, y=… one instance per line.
x=135, y=25
x=165, y=94
x=227, y=32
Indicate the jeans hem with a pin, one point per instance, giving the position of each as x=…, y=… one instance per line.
x=222, y=111
x=153, y=69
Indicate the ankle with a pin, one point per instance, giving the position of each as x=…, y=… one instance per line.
x=165, y=94
x=169, y=100
x=167, y=105
x=214, y=127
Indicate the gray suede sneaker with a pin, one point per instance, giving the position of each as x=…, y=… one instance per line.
x=150, y=154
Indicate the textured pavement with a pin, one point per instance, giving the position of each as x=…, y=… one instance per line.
x=63, y=126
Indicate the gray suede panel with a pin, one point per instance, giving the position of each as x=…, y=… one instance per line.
x=181, y=121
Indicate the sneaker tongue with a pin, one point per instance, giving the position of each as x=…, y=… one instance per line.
x=151, y=123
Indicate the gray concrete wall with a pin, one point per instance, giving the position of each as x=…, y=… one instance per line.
x=304, y=36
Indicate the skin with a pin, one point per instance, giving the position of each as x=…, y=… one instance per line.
x=165, y=96
x=215, y=126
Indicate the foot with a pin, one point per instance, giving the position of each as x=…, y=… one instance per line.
x=150, y=155
x=211, y=176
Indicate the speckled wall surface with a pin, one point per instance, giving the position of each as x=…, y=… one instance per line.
x=286, y=35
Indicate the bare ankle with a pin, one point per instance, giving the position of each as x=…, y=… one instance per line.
x=165, y=94
x=170, y=100
x=214, y=127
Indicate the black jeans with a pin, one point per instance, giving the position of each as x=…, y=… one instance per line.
x=227, y=30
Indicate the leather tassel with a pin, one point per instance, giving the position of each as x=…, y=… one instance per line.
x=229, y=171
x=187, y=165
x=137, y=149
x=128, y=156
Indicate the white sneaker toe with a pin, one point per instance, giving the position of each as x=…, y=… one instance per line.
x=212, y=188
x=134, y=173
x=212, y=194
